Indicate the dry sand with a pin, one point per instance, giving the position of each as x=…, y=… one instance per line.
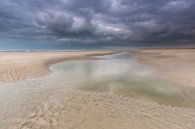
x=175, y=64
x=23, y=65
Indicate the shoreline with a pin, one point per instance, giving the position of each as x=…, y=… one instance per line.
x=173, y=64
x=15, y=66
x=54, y=102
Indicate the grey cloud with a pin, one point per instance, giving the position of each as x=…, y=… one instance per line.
x=154, y=22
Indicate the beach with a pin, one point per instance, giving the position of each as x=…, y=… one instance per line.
x=84, y=110
x=175, y=64
x=90, y=90
x=16, y=66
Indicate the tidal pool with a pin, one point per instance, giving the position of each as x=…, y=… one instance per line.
x=121, y=75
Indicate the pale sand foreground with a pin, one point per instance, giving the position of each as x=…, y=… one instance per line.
x=86, y=110
x=23, y=65
x=175, y=64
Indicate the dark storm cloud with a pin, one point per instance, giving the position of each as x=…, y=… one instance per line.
x=113, y=22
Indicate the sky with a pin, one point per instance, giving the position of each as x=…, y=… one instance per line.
x=96, y=23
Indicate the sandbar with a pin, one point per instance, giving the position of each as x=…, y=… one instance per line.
x=174, y=64
x=16, y=66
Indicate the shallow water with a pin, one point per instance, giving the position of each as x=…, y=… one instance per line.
x=117, y=74
x=121, y=75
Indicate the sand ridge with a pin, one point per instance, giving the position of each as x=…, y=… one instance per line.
x=23, y=65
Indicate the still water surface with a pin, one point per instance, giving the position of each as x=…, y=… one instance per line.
x=121, y=75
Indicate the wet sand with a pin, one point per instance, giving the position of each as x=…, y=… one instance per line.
x=57, y=101
x=16, y=66
x=175, y=64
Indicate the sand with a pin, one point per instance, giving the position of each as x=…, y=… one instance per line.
x=86, y=110
x=16, y=66
x=174, y=64
x=71, y=108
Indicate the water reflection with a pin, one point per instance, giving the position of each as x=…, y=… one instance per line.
x=121, y=75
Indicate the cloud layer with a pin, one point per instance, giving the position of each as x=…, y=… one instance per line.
x=110, y=22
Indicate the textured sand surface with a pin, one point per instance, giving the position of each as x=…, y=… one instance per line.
x=83, y=110
x=175, y=64
x=53, y=103
x=23, y=65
